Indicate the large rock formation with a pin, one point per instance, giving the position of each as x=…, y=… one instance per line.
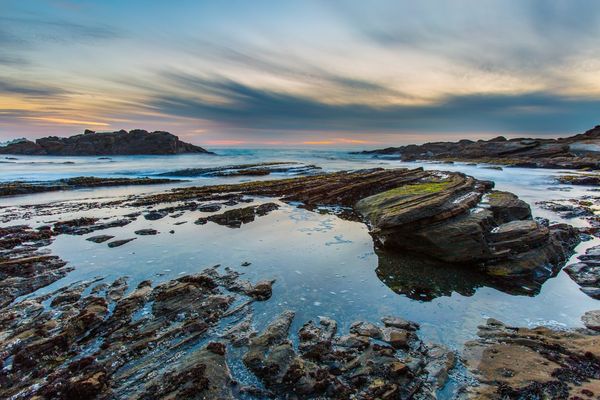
x=450, y=217
x=92, y=143
x=579, y=151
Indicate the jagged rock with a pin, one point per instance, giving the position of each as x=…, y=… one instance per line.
x=137, y=141
x=331, y=367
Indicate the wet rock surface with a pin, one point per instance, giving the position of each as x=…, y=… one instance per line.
x=538, y=363
x=446, y=216
x=586, y=272
x=95, y=339
x=236, y=217
x=258, y=169
x=328, y=365
x=19, y=188
x=574, y=152
x=92, y=143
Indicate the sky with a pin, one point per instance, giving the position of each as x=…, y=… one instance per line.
x=300, y=73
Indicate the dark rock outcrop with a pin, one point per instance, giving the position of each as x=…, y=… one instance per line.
x=92, y=143
x=577, y=152
x=329, y=366
x=259, y=169
x=586, y=272
x=16, y=188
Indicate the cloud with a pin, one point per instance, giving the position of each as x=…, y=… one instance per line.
x=28, y=89
x=254, y=108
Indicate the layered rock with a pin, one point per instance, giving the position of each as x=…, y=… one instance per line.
x=450, y=217
x=579, y=151
x=258, y=169
x=92, y=143
x=16, y=188
x=538, y=363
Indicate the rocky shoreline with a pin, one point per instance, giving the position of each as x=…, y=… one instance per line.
x=182, y=337
x=90, y=143
x=574, y=152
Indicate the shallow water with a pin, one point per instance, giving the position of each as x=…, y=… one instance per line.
x=323, y=265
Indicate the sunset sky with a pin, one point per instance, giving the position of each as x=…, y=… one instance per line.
x=282, y=73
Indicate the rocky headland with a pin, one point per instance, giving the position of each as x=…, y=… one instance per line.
x=575, y=152
x=92, y=143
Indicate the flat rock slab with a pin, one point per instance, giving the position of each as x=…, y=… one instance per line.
x=121, y=242
x=145, y=232
x=99, y=238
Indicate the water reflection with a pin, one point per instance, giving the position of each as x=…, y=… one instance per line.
x=424, y=279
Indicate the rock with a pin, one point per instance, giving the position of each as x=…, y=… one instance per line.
x=586, y=272
x=105, y=143
x=398, y=338
x=591, y=320
x=236, y=217
x=257, y=169
x=507, y=207
x=575, y=152
x=261, y=291
x=121, y=242
x=245, y=264
x=155, y=215
x=366, y=329
x=214, y=207
x=397, y=322
x=99, y=238
x=532, y=363
x=147, y=231
x=447, y=217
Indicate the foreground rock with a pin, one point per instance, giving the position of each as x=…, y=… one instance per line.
x=20, y=188
x=450, y=217
x=330, y=366
x=24, y=268
x=577, y=152
x=539, y=363
x=92, y=143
